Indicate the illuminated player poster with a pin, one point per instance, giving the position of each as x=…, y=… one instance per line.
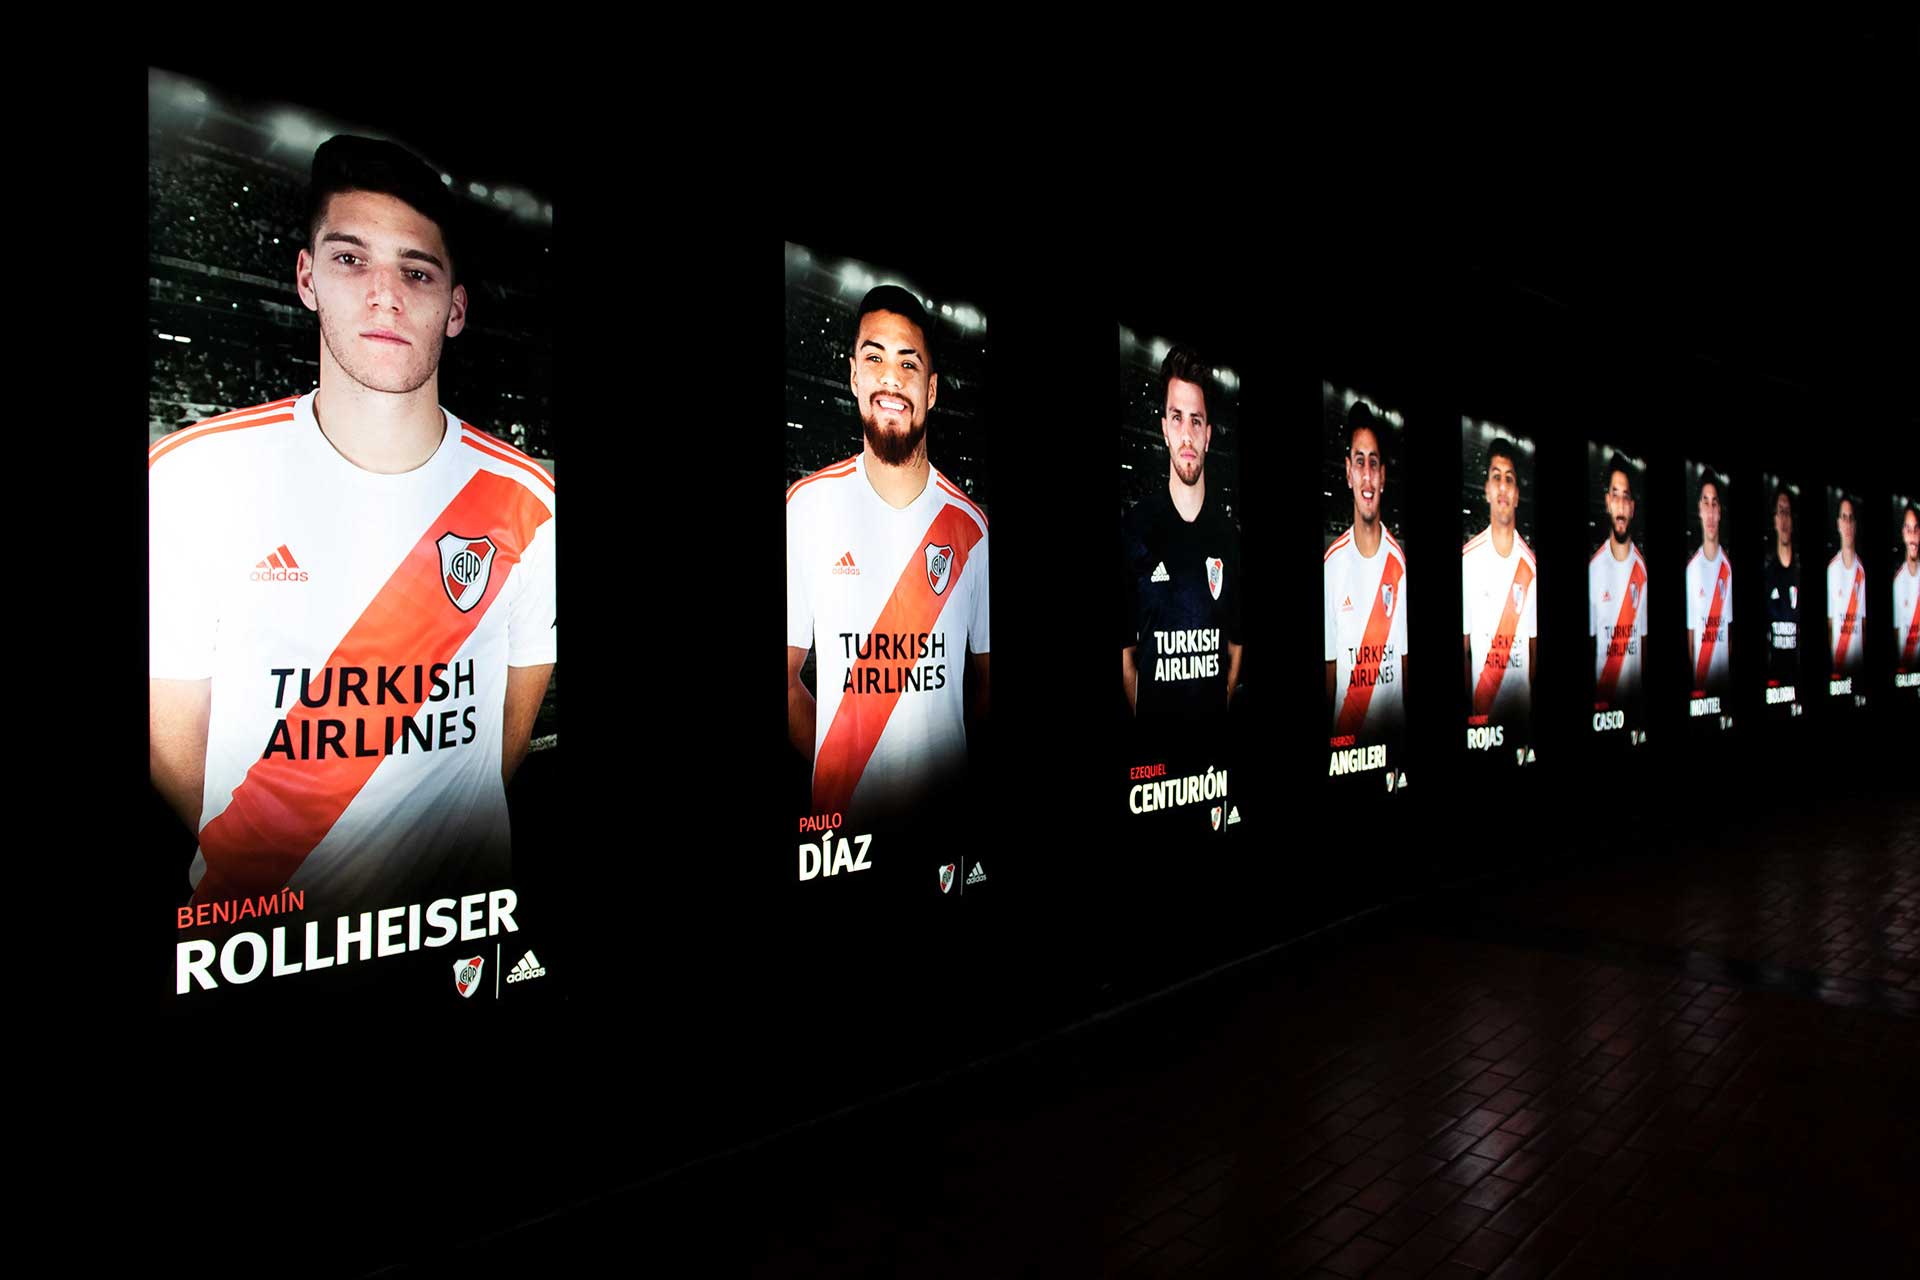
x=1617, y=594
x=1364, y=588
x=1180, y=580
x=352, y=570
x=1906, y=599
x=1710, y=625
x=1780, y=568
x=888, y=636
x=1499, y=589
x=1846, y=601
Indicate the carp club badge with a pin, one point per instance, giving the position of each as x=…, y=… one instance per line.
x=1216, y=575
x=939, y=567
x=466, y=975
x=946, y=877
x=1519, y=595
x=1386, y=597
x=465, y=565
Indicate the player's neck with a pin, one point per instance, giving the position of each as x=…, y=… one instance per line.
x=384, y=432
x=1912, y=568
x=1622, y=551
x=1366, y=537
x=899, y=486
x=1709, y=549
x=1187, y=498
x=1502, y=538
x=1846, y=557
x=1785, y=551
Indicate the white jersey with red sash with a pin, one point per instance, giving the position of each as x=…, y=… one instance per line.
x=891, y=601
x=1847, y=612
x=1709, y=614
x=1617, y=620
x=357, y=629
x=1365, y=609
x=1500, y=617
x=1906, y=618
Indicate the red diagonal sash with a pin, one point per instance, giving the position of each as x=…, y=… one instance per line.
x=1913, y=633
x=1846, y=623
x=1353, y=710
x=284, y=807
x=1621, y=635
x=1494, y=670
x=1710, y=632
x=913, y=608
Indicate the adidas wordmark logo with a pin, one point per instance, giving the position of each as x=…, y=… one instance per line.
x=529, y=967
x=1160, y=573
x=279, y=566
x=976, y=875
x=845, y=564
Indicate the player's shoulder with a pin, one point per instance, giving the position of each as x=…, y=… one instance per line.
x=1526, y=551
x=1393, y=545
x=1698, y=558
x=1477, y=541
x=1593, y=561
x=486, y=452
x=1639, y=559
x=1338, y=545
x=954, y=497
x=823, y=483
x=223, y=436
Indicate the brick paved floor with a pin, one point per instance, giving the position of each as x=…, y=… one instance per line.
x=1689, y=1066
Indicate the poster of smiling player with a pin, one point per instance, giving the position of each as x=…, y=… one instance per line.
x=1906, y=599
x=1617, y=595
x=1364, y=587
x=1499, y=590
x=887, y=570
x=1710, y=592
x=1784, y=580
x=1181, y=585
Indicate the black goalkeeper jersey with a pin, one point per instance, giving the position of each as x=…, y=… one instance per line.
x=1783, y=617
x=1182, y=604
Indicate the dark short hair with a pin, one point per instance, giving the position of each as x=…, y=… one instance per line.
x=1709, y=477
x=1360, y=415
x=1782, y=491
x=1503, y=448
x=901, y=302
x=348, y=163
x=1184, y=363
x=1910, y=511
x=1618, y=462
x=1848, y=499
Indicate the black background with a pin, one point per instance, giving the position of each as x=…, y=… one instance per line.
x=1698, y=284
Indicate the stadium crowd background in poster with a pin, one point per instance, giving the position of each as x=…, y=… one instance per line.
x=1364, y=597
x=895, y=804
x=1847, y=593
x=227, y=173
x=1906, y=597
x=1180, y=596
x=1617, y=591
x=1499, y=592
x=1710, y=621
x=1783, y=571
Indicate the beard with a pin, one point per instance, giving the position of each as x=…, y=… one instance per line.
x=340, y=342
x=1620, y=532
x=894, y=448
x=1190, y=476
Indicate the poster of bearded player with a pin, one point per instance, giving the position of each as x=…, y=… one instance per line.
x=1617, y=595
x=887, y=572
x=1181, y=582
x=1364, y=581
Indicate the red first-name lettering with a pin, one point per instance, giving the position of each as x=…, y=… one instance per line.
x=1140, y=771
x=231, y=910
x=821, y=822
x=1343, y=740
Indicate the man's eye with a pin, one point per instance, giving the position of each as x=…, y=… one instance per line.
x=908, y=365
x=347, y=259
x=420, y=276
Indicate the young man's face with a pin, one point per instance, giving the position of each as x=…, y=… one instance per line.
x=1366, y=475
x=1845, y=524
x=1910, y=534
x=892, y=388
x=378, y=276
x=1783, y=519
x=1710, y=512
x=1184, y=423
x=1503, y=490
x=1620, y=504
